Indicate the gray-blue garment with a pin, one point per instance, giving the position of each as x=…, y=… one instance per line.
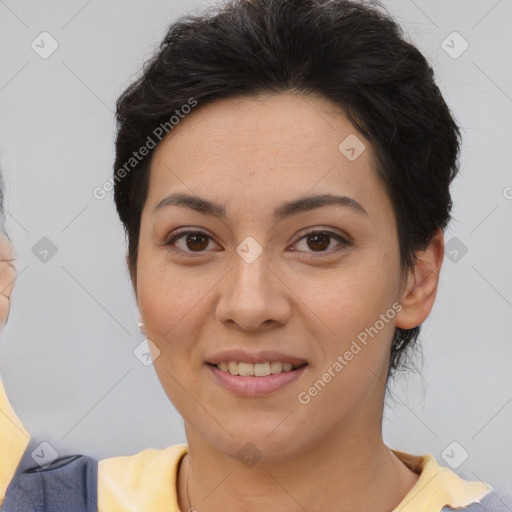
x=493, y=502
x=68, y=484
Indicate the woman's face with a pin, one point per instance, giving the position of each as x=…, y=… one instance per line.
x=263, y=281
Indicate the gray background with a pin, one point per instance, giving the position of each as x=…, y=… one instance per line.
x=67, y=351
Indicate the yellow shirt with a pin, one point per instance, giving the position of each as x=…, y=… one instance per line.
x=14, y=440
x=141, y=483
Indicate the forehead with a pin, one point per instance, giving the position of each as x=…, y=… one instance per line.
x=285, y=121
x=264, y=149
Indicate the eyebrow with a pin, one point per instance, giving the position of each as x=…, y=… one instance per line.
x=287, y=209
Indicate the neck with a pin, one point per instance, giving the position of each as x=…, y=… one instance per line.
x=357, y=471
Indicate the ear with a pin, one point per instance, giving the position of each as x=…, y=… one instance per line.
x=419, y=292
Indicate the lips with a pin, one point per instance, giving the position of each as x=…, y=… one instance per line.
x=255, y=370
x=252, y=386
x=267, y=356
x=254, y=374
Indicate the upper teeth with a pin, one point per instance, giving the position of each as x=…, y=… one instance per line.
x=255, y=370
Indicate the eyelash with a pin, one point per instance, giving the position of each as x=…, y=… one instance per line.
x=181, y=232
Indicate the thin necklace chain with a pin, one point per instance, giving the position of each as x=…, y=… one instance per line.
x=190, y=507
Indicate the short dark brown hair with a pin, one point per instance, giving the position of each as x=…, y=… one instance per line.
x=352, y=54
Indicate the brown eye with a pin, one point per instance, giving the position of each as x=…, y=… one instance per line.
x=187, y=242
x=197, y=242
x=319, y=241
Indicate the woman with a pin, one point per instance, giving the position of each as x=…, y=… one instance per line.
x=282, y=173
x=30, y=479
x=14, y=438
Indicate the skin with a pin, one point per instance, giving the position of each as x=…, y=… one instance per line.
x=7, y=276
x=251, y=155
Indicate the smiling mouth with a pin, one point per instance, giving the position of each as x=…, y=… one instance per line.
x=256, y=369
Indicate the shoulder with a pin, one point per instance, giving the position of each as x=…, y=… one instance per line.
x=439, y=488
x=144, y=482
x=495, y=501
x=14, y=440
x=45, y=482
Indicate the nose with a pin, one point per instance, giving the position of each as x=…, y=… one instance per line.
x=253, y=296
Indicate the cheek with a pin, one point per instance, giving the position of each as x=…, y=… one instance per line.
x=165, y=295
x=168, y=303
x=353, y=319
x=349, y=298
x=174, y=303
x=354, y=348
x=154, y=296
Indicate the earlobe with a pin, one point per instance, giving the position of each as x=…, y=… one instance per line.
x=140, y=323
x=419, y=293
